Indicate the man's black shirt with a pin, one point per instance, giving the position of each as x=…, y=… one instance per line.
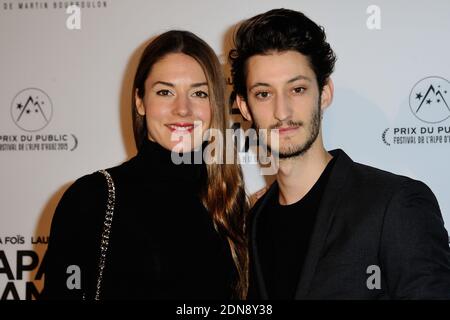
x=284, y=236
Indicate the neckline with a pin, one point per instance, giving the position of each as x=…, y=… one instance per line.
x=157, y=163
x=323, y=179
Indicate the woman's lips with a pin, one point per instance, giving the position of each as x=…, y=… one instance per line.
x=181, y=127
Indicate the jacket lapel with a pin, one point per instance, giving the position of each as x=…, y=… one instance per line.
x=258, y=274
x=330, y=201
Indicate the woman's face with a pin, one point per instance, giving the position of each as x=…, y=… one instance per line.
x=176, y=103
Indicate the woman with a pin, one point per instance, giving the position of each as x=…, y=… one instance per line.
x=177, y=231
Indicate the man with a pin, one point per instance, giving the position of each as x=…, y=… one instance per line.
x=328, y=228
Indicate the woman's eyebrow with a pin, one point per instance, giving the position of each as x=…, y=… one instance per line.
x=169, y=84
x=199, y=84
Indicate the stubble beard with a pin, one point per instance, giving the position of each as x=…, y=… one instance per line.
x=299, y=150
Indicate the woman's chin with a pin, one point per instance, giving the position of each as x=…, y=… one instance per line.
x=183, y=147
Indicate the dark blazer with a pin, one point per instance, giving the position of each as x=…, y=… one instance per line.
x=367, y=217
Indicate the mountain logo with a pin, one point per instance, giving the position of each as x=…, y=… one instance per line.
x=31, y=109
x=429, y=100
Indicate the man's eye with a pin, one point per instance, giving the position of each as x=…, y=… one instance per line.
x=163, y=92
x=200, y=94
x=299, y=90
x=262, y=94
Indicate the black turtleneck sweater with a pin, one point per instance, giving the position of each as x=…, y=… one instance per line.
x=163, y=243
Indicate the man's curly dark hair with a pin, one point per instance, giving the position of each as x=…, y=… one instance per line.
x=280, y=30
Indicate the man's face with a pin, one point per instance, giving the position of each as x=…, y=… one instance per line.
x=283, y=97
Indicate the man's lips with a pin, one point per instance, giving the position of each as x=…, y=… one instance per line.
x=284, y=130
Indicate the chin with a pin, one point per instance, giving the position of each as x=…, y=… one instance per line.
x=288, y=149
x=179, y=148
x=183, y=147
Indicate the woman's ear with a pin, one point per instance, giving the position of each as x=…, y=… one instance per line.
x=243, y=107
x=326, y=96
x=139, y=104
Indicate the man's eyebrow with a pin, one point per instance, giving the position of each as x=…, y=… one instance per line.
x=263, y=84
x=259, y=84
x=300, y=77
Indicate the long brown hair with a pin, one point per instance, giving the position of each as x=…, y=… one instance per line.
x=224, y=195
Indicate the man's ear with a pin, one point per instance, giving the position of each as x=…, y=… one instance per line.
x=139, y=104
x=243, y=107
x=327, y=94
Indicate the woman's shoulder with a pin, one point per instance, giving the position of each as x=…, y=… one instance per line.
x=86, y=184
x=96, y=181
x=86, y=197
x=80, y=200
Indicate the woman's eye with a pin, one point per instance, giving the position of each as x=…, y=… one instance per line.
x=200, y=94
x=163, y=92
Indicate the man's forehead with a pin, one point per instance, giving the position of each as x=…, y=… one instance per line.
x=286, y=66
